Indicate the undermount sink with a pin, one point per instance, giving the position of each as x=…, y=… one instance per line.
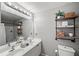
x=25, y=45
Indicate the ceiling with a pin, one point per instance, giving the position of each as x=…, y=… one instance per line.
x=41, y=6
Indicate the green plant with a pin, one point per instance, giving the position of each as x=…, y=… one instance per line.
x=60, y=13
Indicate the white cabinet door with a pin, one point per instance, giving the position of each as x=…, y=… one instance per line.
x=2, y=34
x=35, y=51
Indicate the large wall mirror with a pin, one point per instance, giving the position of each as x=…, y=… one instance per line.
x=14, y=26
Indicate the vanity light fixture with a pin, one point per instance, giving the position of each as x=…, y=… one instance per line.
x=17, y=8
x=9, y=3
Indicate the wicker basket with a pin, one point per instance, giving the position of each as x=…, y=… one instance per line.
x=60, y=34
x=70, y=15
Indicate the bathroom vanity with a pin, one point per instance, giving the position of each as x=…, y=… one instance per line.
x=33, y=49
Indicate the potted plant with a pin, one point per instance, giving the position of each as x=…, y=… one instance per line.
x=60, y=14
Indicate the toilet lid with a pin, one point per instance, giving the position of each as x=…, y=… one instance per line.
x=66, y=48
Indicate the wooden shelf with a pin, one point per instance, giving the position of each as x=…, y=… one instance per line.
x=65, y=19
x=67, y=38
x=64, y=27
x=76, y=26
x=76, y=37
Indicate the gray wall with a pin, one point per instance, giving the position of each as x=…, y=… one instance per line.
x=45, y=28
x=27, y=27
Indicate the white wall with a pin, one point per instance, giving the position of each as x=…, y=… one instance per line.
x=27, y=27
x=45, y=27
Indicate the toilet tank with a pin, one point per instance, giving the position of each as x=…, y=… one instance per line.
x=65, y=51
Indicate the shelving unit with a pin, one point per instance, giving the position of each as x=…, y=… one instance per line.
x=19, y=28
x=69, y=27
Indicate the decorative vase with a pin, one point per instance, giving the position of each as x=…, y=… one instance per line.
x=71, y=34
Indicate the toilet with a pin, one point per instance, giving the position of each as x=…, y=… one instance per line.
x=65, y=51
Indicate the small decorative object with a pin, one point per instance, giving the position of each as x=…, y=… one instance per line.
x=59, y=24
x=30, y=39
x=23, y=44
x=64, y=24
x=60, y=14
x=70, y=26
x=71, y=34
x=60, y=34
x=21, y=38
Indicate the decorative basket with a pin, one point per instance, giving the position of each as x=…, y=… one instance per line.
x=70, y=15
x=60, y=34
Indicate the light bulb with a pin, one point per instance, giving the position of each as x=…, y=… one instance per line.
x=16, y=7
x=28, y=14
x=24, y=11
x=20, y=9
x=18, y=27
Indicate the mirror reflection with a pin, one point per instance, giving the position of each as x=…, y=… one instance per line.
x=14, y=27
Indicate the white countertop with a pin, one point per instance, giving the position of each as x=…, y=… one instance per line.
x=21, y=51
